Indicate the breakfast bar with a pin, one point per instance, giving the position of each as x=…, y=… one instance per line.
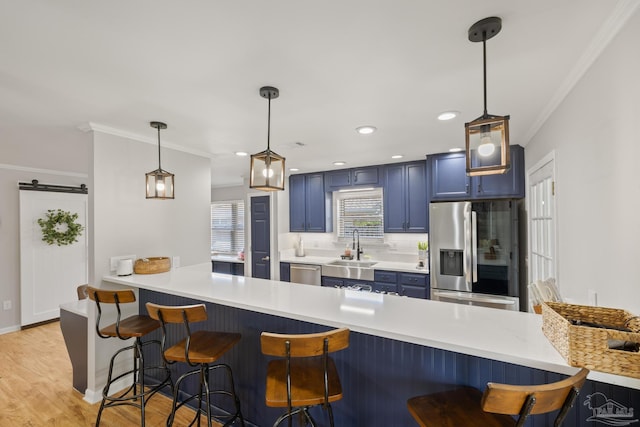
x=400, y=347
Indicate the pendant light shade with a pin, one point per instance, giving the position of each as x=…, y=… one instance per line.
x=160, y=183
x=487, y=137
x=267, y=167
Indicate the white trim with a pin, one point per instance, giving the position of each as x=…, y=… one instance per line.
x=622, y=12
x=9, y=329
x=97, y=127
x=43, y=171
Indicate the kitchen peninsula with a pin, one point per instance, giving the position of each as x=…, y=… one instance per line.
x=400, y=347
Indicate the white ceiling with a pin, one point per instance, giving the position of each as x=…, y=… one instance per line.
x=198, y=65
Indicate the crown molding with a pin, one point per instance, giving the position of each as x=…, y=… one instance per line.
x=97, y=127
x=610, y=28
x=42, y=171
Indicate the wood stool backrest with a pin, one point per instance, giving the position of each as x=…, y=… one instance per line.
x=110, y=296
x=536, y=399
x=184, y=314
x=304, y=345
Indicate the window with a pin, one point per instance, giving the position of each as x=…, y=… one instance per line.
x=361, y=210
x=227, y=226
x=542, y=229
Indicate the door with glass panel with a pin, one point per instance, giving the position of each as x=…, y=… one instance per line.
x=542, y=221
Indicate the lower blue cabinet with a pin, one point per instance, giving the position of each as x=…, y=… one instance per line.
x=414, y=285
x=234, y=268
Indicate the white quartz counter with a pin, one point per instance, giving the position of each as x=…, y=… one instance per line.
x=502, y=335
x=405, y=267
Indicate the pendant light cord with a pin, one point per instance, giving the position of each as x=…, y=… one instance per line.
x=159, y=166
x=484, y=69
x=269, y=125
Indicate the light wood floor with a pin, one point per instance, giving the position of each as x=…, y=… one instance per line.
x=36, y=388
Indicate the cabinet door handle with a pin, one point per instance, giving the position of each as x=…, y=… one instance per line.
x=355, y=178
x=479, y=188
x=466, y=188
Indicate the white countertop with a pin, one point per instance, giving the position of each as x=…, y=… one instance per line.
x=405, y=267
x=503, y=335
x=78, y=307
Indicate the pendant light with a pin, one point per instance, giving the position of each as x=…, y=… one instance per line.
x=160, y=183
x=487, y=137
x=267, y=167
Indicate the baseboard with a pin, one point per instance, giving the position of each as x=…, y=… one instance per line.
x=9, y=329
x=93, y=396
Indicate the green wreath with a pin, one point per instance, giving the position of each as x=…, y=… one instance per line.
x=60, y=227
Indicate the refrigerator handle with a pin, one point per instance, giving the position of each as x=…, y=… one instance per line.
x=474, y=245
x=468, y=257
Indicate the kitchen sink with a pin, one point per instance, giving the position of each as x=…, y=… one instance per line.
x=349, y=263
x=360, y=270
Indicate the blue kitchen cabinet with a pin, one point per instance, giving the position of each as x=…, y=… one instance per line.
x=414, y=285
x=332, y=282
x=349, y=178
x=307, y=203
x=285, y=272
x=449, y=180
x=405, y=198
x=234, y=268
x=509, y=184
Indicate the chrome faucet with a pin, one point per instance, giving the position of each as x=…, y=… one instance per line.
x=353, y=243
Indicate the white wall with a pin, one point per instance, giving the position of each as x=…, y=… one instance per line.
x=26, y=154
x=594, y=133
x=123, y=221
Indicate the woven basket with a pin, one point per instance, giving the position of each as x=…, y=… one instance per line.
x=152, y=265
x=589, y=347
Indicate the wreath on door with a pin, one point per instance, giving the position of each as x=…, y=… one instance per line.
x=60, y=227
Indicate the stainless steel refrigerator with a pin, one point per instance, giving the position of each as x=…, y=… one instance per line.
x=474, y=253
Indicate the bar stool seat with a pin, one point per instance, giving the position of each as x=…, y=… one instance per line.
x=135, y=326
x=202, y=349
x=467, y=406
x=305, y=375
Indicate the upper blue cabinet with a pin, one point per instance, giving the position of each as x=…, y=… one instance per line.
x=307, y=203
x=405, y=198
x=347, y=178
x=449, y=180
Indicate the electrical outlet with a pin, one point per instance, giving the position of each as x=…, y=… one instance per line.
x=113, y=261
x=175, y=262
x=6, y=305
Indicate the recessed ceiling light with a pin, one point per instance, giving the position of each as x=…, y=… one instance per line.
x=339, y=163
x=397, y=156
x=240, y=153
x=448, y=115
x=294, y=169
x=366, y=130
x=455, y=150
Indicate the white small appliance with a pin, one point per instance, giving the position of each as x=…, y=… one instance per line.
x=125, y=267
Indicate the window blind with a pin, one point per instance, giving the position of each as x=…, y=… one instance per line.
x=227, y=226
x=362, y=212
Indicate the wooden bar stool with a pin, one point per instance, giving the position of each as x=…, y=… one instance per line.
x=136, y=327
x=467, y=406
x=202, y=349
x=306, y=375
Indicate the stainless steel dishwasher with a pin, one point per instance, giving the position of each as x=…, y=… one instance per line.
x=307, y=274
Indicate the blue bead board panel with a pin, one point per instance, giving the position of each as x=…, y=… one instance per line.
x=378, y=374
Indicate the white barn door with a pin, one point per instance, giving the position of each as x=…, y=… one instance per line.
x=49, y=274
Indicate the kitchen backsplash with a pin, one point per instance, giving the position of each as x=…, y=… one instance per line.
x=395, y=248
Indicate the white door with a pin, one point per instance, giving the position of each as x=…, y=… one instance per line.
x=49, y=274
x=542, y=221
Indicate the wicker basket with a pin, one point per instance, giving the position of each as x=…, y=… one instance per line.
x=589, y=347
x=152, y=265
